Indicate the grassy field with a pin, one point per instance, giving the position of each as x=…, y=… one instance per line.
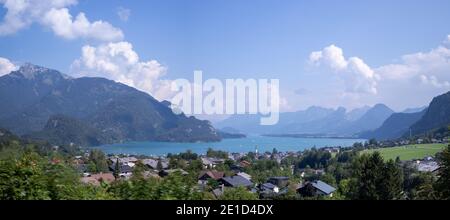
x=409, y=152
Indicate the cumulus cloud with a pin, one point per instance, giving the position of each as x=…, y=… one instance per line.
x=123, y=13
x=6, y=66
x=432, y=64
x=432, y=80
x=357, y=75
x=55, y=15
x=332, y=56
x=119, y=62
x=424, y=74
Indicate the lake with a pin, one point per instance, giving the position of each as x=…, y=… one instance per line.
x=230, y=145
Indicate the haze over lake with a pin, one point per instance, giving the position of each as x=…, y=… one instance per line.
x=230, y=145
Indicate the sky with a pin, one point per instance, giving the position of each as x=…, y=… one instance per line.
x=325, y=53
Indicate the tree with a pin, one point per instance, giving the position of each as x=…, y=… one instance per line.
x=392, y=182
x=99, y=159
x=117, y=169
x=138, y=170
x=159, y=165
x=23, y=178
x=443, y=183
x=175, y=187
x=239, y=193
x=373, y=179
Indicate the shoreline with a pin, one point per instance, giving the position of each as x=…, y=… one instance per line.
x=245, y=145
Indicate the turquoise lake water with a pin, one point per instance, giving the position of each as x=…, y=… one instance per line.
x=230, y=145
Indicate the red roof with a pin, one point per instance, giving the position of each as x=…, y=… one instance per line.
x=212, y=174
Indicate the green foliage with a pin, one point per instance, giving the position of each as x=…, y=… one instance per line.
x=375, y=180
x=195, y=166
x=443, y=183
x=216, y=154
x=23, y=178
x=25, y=175
x=239, y=193
x=98, y=158
x=314, y=158
x=116, y=172
x=261, y=170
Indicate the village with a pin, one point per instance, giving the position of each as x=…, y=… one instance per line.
x=218, y=171
x=121, y=167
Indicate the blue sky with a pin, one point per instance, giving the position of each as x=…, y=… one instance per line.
x=264, y=39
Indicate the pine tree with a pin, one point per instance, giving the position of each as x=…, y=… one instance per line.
x=159, y=166
x=443, y=183
x=369, y=176
x=392, y=182
x=117, y=170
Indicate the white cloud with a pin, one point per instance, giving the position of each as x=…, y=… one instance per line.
x=332, y=56
x=119, y=62
x=434, y=64
x=424, y=74
x=123, y=13
x=432, y=80
x=55, y=15
x=357, y=75
x=6, y=66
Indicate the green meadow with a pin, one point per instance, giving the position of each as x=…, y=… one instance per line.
x=409, y=152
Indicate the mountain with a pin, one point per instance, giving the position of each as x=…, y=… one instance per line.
x=34, y=97
x=251, y=123
x=373, y=119
x=63, y=130
x=357, y=113
x=415, y=110
x=436, y=116
x=326, y=125
x=315, y=121
x=395, y=126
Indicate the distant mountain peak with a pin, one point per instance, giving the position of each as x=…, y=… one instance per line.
x=31, y=71
x=381, y=105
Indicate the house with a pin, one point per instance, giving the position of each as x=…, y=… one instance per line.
x=245, y=175
x=316, y=188
x=427, y=165
x=236, y=181
x=206, y=175
x=209, y=162
x=309, y=171
x=129, y=161
x=245, y=164
x=97, y=179
x=332, y=149
x=269, y=187
x=280, y=181
x=164, y=173
x=236, y=168
x=270, y=191
x=125, y=171
x=153, y=164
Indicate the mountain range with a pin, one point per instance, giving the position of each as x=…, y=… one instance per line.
x=415, y=122
x=315, y=120
x=378, y=122
x=45, y=104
